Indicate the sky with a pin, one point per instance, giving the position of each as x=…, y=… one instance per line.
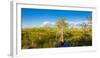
x=39, y=17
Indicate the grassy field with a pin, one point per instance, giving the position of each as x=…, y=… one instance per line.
x=47, y=37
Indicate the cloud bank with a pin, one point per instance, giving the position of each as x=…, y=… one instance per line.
x=74, y=24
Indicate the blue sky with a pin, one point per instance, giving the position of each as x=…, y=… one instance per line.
x=36, y=17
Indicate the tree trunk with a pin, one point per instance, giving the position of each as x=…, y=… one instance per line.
x=62, y=32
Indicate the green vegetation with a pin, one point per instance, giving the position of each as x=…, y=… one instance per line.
x=45, y=37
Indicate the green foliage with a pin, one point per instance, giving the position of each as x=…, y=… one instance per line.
x=47, y=37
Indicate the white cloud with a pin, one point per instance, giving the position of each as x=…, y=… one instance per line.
x=52, y=24
x=45, y=23
x=76, y=23
x=70, y=23
x=48, y=24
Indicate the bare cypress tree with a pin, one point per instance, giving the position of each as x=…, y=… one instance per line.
x=61, y=24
